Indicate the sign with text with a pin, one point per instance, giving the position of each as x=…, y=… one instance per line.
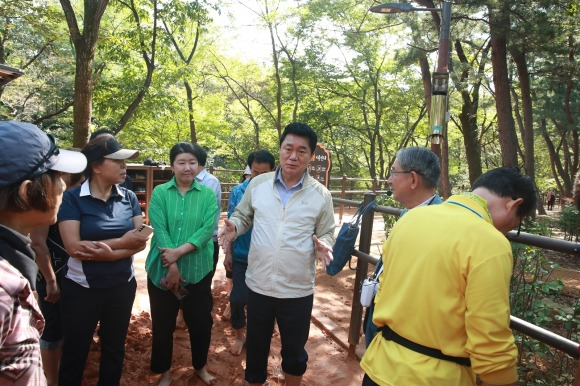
x=319, y=167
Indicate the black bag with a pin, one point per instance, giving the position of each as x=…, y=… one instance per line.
x=344, y=245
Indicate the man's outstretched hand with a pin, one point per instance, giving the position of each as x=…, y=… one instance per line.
x=227, y=234
x=323, y=251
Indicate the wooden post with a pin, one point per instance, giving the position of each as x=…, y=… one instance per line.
x=364, y=245
x=342, y=194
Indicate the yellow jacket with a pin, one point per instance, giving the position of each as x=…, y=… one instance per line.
x=445, y=285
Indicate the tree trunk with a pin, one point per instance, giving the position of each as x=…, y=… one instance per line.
x=85, y=45
x=192, y=129
x=563, y=180
x=83, y=102
x=276, y=62
x=528, y=125
x=468, y=116
x=499, y=18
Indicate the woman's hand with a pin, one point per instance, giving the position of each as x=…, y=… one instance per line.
x=132, y=240
x=52, y=291
x=170, y=255
x=94, y=250
x=173, y=278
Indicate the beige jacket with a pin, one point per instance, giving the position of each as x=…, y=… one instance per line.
x=282, y=257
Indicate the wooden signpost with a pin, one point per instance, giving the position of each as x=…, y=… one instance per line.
x=319, y=167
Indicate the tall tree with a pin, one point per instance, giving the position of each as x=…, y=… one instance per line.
x=183, y=23
x=85, y=43
x=468, y=83
x=499, y=20
x=147, y=47
x=31, y=40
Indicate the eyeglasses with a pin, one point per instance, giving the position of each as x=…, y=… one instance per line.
x=51, y=152
x=393, y=171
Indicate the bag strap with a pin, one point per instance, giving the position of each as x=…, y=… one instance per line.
x=389, y=334
x=355, y=221
x=361, y=211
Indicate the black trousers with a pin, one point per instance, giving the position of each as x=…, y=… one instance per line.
x=368, y=382
x=81, y=309
x=293, y=318
x=197, y=308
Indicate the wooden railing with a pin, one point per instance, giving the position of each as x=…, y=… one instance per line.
x=344, y=187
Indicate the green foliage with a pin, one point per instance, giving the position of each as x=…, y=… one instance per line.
x=569, y=222
x=389, y=219
x=354, y=76
x=531, y=294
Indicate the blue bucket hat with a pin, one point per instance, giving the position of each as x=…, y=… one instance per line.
x=27, y=152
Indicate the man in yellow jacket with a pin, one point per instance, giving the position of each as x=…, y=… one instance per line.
x=442, y=307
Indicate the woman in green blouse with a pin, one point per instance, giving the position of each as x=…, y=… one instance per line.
x=180, y=262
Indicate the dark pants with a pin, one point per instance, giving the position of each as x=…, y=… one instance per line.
x=368, y=382
x=293, y=318
x=196, y=314
x=216, y=256
x=52, y=334
x=82, y=308
x=238, y=296
x=369, y=328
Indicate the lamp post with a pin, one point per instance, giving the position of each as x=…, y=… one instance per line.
x=440, y=85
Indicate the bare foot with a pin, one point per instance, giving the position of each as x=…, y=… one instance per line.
x=238, y=345
x=206, y=377
x=227, y=312
x=165, y=379
x=180, y=322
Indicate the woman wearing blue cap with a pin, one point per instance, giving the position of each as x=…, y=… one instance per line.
x=31, y=191
x=97, y=222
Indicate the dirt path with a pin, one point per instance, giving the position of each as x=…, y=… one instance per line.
x=329, y=363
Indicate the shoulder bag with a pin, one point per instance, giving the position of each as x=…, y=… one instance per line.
x=344, y=245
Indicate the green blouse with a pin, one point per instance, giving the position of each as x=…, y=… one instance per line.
x=179, y=219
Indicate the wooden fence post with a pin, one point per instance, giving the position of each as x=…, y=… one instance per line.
x=362, y=266
x=342, y=194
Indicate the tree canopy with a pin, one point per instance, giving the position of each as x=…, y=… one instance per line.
x=158, y=72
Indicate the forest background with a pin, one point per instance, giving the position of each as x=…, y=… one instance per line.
x=156, y=72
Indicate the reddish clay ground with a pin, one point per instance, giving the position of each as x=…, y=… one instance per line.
x=329, y=362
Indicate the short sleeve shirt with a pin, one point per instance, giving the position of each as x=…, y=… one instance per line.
x=100, y=220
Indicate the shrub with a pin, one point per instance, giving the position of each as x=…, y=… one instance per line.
x=570, y=222
x=530, y=290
